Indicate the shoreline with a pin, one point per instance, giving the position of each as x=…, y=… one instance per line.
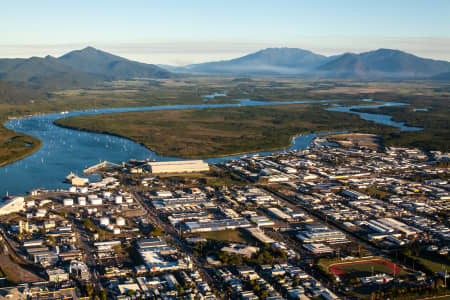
x=32, y=150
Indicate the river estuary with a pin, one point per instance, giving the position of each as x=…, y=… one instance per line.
x=65, y=150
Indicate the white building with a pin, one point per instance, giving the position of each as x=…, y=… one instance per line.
x=184, y=166
x=12, y=205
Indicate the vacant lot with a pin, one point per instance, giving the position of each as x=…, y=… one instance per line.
x=15, y=273
x=225, y=236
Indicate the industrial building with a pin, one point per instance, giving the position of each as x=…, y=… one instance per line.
x=279, y=214
x=318, y=248
x=152, y=251
x=216, y=225
x=320, y=233
x=183, y=166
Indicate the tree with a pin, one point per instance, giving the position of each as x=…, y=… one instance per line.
x=104, y=294
x=89, y=289
x=158, y=231
x=439, y=283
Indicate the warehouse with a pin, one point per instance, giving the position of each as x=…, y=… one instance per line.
x=183, y=166
x=279, y=214
x=320, y=233
x=216, y=225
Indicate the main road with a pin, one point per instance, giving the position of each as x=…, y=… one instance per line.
x=172, y=234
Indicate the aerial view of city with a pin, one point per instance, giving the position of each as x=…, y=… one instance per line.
x=225, y=150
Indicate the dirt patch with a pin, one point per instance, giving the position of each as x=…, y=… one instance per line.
x=350, y=140
x=15, y=273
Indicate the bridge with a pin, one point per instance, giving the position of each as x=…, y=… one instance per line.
x=100, y=165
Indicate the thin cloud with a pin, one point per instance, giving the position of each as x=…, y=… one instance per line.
x=190, y=52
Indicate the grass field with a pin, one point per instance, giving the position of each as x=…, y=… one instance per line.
x=432, y=263
x=215, y=177
x=225, y=236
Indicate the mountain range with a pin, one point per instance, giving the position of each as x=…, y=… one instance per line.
x=79, y=68
x=86, y=67
x=373, y=65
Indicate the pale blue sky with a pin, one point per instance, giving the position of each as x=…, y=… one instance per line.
x=179, y=32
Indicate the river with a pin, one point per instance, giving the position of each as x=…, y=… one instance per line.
x=65, y=150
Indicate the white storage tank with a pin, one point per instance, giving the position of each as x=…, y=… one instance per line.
x=120, y=221
x=104, y=221
x=118, y=199
x=73, y=189
x=116, y=231
x=110, y=227
x=96, y=201
x=68, y=202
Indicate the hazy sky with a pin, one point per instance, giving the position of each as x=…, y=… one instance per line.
x=192, y=31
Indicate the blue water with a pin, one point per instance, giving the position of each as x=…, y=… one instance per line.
x=377, y=118
x=65, y=150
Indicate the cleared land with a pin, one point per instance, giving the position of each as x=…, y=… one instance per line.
x=221, y=131
x=356, y=139
x=15, y=273
x=225, y=236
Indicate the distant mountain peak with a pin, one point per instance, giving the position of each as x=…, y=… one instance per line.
x=78, y=68
x=269, y=61
x=95, y=61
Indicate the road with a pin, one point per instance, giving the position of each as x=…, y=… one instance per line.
x=89, y=258
x=172, y=234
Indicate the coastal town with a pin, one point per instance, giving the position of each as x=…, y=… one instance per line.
x=337, y=220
